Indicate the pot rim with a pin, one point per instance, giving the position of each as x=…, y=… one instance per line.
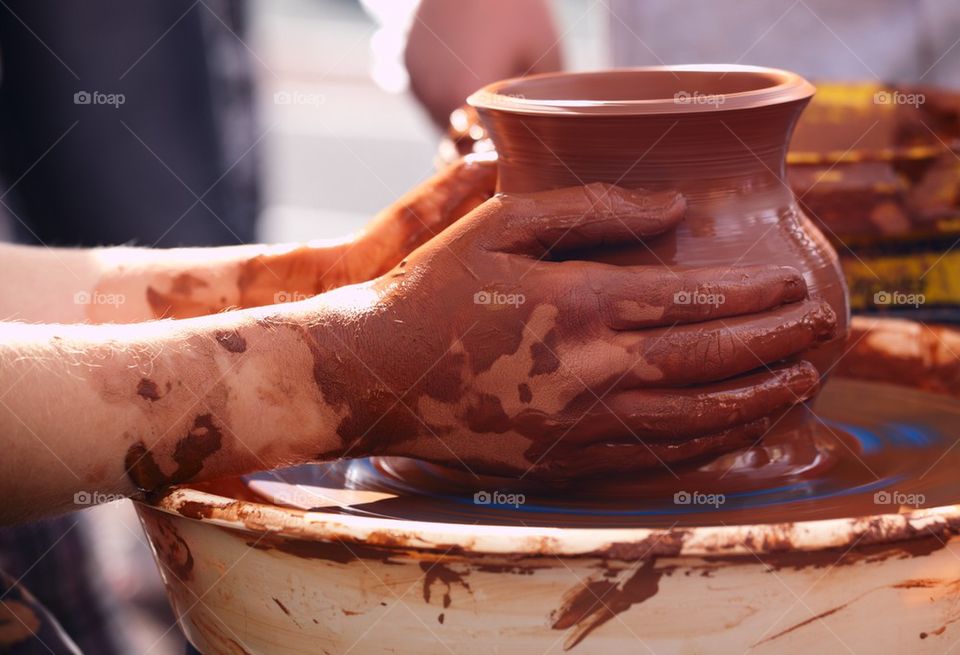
x=786, y=87
x=522, y=542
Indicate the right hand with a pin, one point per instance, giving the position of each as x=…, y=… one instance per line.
x=485, y=350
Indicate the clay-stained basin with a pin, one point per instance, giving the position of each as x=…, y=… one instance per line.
x=249, y=577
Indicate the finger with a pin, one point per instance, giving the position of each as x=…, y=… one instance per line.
x=675, y=414
x=437, y=202
x=625, y=457
x=597, y=214
x=635, y=297
x=453, y=192
x=468, y=182
x=721, y=349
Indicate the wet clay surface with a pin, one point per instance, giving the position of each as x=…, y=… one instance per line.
x=727, y=159
x=546, y=363
x=865, y=449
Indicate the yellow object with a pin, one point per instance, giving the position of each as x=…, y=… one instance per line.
x=903, y=281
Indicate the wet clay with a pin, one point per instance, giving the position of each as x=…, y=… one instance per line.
x=863, y=448
x=719, y=137
x=586, y=356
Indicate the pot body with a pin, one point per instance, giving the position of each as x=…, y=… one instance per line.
x=725, y=152
x=243, y=592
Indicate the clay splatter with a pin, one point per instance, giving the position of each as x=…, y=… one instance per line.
x=437, y=572
x=202, y=440
x=231, y=341
x=590, y=605
x=147, y=389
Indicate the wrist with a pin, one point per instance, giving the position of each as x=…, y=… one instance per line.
x=353, y=368
x=205, y=398
x=274, y=412
x=294, y=273
x=139, y=285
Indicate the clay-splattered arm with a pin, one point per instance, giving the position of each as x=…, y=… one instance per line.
x=126, y=285
x=91, y=411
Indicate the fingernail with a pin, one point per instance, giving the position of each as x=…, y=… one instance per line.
x=665, y=201
x=803, y=379
x=794, y=286
x=823, y=322
x=755, y=429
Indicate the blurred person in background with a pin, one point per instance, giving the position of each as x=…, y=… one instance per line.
x=454, y=48
x=120, y=123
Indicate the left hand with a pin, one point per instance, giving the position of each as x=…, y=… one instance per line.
x=408, y=223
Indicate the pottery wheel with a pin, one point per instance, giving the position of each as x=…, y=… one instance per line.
x=863, y=448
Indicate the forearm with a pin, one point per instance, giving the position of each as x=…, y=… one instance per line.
x=97, y=410
x=127, y=285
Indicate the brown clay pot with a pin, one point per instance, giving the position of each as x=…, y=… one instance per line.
x=717, y=134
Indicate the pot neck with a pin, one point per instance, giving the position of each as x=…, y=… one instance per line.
x=711, y=157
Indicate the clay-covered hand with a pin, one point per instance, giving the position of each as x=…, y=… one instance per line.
x=411, y=221
x=488, y=348
x=427, y=210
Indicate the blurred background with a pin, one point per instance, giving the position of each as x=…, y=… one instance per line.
x=329, y=166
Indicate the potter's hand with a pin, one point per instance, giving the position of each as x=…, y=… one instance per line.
x=480, y=350
x=484, y=350
x=397, y=230
x=426, y=211
x=191, y=282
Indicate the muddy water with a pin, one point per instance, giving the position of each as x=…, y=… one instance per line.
x=862, y=448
